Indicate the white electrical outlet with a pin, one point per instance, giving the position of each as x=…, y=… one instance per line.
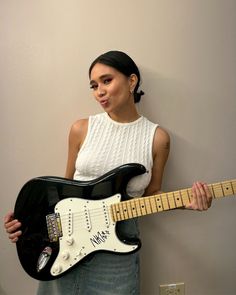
x=172, y=289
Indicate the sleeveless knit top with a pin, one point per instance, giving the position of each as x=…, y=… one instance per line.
x=109, y=144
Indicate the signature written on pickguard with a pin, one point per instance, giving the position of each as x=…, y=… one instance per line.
x=99, y=238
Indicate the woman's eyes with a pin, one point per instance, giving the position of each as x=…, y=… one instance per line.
x=94, y=87
x=105, y=81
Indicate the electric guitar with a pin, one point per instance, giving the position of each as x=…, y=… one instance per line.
x=64, y=221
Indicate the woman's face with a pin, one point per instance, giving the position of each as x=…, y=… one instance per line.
x=111, y=88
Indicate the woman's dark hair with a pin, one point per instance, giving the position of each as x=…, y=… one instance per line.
x=122, y=63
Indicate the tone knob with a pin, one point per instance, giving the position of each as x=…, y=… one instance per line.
x=69, y=241
x=65, y=255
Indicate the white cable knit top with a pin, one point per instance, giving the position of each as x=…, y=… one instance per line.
x=109, y=144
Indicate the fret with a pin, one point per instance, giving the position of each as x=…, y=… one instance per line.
x=153, y=204
x=185, y=197
x=210, y=187
x=227, y=188
x=133, y=208
x=138, y=208
x=117, y=211
x=121, y=211
x=142, y=206
x=189, y=192
x=171, y=200
x=113, y=213
x=233, y=183
x=124, y=210
x=218, y=192
x=178, y=200
x=159, y=203
x=129, y=209
x=165, y=202
x=148, y=205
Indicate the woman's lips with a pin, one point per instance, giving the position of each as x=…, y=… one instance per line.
x=104, y=102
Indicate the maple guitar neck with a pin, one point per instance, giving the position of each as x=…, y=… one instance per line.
x=166, y=201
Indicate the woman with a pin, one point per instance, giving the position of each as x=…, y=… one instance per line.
x=97, y=145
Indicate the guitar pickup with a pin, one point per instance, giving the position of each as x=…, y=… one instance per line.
x=87, y=219
x=54, y=227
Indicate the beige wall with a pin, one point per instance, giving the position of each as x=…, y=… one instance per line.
x=186, y=53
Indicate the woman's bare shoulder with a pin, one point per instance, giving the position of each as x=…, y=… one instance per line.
x=79, y=125
x=78, y=131
x=161, y=139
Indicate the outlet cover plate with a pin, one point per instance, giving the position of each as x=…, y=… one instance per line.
x=172, y=289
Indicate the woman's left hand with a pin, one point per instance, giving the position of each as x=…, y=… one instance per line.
x=201, y=197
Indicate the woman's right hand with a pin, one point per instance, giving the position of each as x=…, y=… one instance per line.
x=12, y=227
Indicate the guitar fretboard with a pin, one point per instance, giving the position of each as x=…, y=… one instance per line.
x=166, y=201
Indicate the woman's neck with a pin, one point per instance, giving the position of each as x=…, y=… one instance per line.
x=125, y=116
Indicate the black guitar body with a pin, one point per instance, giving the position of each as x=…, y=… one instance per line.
x=38, y=198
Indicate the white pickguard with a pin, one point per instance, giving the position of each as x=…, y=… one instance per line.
x=87, y=226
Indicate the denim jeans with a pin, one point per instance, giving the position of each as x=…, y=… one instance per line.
x=102, y=274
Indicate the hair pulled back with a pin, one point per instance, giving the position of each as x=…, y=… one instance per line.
x=122, y=63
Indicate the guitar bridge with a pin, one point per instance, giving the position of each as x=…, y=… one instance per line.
x=54, y=226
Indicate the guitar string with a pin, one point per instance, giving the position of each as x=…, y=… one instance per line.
x=104, y=216
x=169, y=196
